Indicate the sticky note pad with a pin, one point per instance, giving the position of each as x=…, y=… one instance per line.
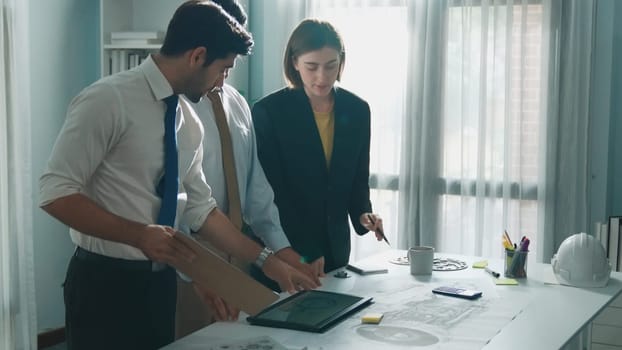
x=505, y=281
x=372, y=318
x=480, y=264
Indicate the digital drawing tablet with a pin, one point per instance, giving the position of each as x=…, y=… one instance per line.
x=310, y=311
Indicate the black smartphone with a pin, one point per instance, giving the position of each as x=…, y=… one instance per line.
x=458, y=292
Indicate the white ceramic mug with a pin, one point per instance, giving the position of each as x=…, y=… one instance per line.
x=421, y=259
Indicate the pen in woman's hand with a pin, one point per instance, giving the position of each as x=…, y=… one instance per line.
x=373, y=222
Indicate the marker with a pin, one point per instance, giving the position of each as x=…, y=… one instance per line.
x=493, y=273
x=524, y=246
x=373, y=222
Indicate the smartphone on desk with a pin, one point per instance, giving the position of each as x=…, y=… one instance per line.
x=458, y=292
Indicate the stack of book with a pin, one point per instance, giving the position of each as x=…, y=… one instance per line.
x=136, y=38
x=121, y=59
x=129, y=49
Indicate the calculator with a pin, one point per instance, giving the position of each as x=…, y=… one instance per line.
x=458, y=292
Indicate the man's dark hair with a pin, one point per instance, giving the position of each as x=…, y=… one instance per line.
x=233, y=8
x=205, y=24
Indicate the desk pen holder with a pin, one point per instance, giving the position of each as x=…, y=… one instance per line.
x=515, y=265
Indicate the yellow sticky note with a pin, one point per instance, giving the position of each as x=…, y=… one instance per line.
x=505, y=281
x=480, y=264
x=373, y=318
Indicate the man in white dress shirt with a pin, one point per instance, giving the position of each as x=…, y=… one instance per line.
x=102, y=176
x=200, y=307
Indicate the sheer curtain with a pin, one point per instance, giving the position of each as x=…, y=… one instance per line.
x=564, y=210
x=17, y=299
x=475, y=159
x=479, y=117
x=495, y=109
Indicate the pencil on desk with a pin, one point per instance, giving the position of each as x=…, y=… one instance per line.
x=506, y=241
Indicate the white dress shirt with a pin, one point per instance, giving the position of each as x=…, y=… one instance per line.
x=111, y=149
x=256, y=196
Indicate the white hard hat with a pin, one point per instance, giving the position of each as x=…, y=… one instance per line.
x=581, y=261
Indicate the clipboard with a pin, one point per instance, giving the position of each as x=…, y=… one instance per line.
x=310, y=311
x=230, y=283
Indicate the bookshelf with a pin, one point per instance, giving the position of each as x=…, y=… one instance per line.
x=131, y=16
x=149, y=16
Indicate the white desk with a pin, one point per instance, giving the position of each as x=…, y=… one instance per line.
x=549, y=315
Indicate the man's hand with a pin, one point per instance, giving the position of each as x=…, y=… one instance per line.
x=288, y=278
x=222, y=310
x=159, y=243
x=290, y=256
x=318, y=266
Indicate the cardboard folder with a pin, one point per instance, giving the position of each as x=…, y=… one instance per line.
x=230, y=283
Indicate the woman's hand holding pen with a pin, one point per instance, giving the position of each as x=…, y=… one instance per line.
x=373, y=222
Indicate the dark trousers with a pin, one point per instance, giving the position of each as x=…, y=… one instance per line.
x=110, y=307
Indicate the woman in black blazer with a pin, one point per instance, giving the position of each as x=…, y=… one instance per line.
x=313, y=144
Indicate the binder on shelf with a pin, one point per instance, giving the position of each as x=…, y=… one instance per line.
x=614, y=244
x=133, y=60
x=604, y=235
x=115, y=59
x=123, y=64
x=135, y=42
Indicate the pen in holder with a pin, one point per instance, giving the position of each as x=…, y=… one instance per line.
x=515, y=263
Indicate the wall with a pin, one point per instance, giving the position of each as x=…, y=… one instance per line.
x=63, y=47
x=266, y=67
x=615, y=141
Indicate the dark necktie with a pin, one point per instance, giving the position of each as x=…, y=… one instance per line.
x=231, y=180
x=170, y=182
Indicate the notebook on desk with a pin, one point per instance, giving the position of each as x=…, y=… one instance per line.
x=311, y=311
x=366, y=269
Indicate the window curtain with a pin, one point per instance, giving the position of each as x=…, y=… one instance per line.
x=564, y=208
x=17, y=299
x=479, y=117
x=495, y=133
x=470, y=170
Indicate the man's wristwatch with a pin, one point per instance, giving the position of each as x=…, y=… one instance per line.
x=261, y=259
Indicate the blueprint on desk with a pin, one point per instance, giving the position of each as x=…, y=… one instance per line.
x=414, y=317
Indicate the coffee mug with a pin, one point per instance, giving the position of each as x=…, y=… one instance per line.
x=421, y=259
